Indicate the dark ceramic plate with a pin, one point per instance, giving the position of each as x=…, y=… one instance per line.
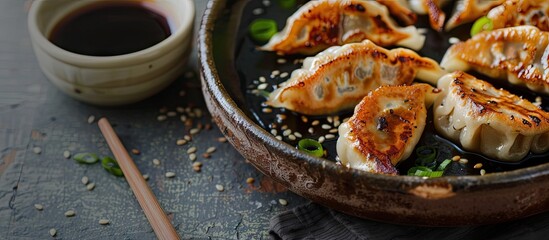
x=231, y=69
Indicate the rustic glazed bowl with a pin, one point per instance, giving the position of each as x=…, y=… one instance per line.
x=445, y=201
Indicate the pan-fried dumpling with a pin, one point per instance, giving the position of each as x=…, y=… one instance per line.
x=401, y=10
x=488, y=120
x=520, y=54
x=339, y=77
x=385, y=127
x=466, y=11
x=318, y=25
x=521, y=12
x=431, y=7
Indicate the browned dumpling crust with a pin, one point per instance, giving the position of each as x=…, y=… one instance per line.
x=401, y=10
x=521, y=12
x=466, y=11
x=320, y=24
x=339, y=77
x=487, y=120
x=385, y=128
x=433, y=9
x=518, y=54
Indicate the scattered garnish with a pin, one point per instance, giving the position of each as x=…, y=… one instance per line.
x=311, y=147
x=86, y=158
x=111, y=166
x=263, y=29
x=426, y=156
x=482, y=24
x=286, y=3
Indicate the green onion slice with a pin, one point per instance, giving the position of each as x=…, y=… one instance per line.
x=111, y=166
x=418, y=171
x=286, y=3
x=435, y=174
x=86, y=158
x=263, y=29
x=311, y=147
x=426, y=156
x=443, y=165
x=482, y=24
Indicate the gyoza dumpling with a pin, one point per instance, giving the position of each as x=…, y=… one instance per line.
x=339, y=77
x=466, y=11
x=386, y=126
x=401, y=10
x=487, y=120
x=318, y=25
x=431, y=7
x=519, y=54
x=521, y=12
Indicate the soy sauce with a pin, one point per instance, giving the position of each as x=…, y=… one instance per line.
x=110, y=29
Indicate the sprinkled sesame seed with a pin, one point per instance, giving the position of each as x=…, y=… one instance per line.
x=257, y=11
x=156, y=162
x=187, y=137
x=183, y=118
x=206, y=155
x=211, y=150
x=250, y=180
x=91, y=119
x=170, y=174
x=538, y=99
x=333, y=130
x=146, y=177
x=287, y=132
x=311, y=130
x=298, y=134
x=70, y=213
x=85, y=180
x=194, y=131
x=39, y=207
x=326, y=126
x=315, y=122
x=262, y=86
x=330, y=119
x=262, y=79
x=281, y=61
x=267, y=110
x=304, y=119
x=191, y=150
x=181, y=142
x=284, y=74
x=37, y=150
x=291, y=137
x=192, y=156
x=284, y=127
x=219, y=187
x=321, y=139
x=456, y=158
x=453, y=40
x=266, y=3
x=274, y=132
x=67, y=154
x=463, y=161
x=330, y=136
x=53, y=232
x=161, y=118
x=477, y=166
x=180, y=109
x=197, y=164
x=275, y=73
x=136, y=151
x=337, y=123
x=482, y=172
x=171, y=114
x=222, y=139
x=90, y=186
x=283, y=202
x=103, y=221
x=279, y=137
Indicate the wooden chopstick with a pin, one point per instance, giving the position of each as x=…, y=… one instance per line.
x=157, y=218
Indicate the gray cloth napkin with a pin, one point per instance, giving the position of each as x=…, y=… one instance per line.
x=312, y=221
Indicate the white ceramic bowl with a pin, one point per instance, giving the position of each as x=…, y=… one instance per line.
x=113, y=80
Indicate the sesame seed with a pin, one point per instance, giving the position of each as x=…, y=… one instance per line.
x=330, y=119
x=279, y=137
x=136, y=151
x=286, y=132
x=262, y=86
x=304, y=119
x=250, y=180
x=266, y=3
x=326, y=126
x=330, y=136
x=315, y=122
x=311, y=130
x=70, y=213
x=333, y=130
x=291, y=137
x=181, y=142
x=183, y=118
x=463, y=161
x=267, y=110
x=85, y=180
x=456, y=158
x=210, y=150
x=337, y=123
x=197, y=169
x=192, y=156
x=222, y=139
x=281, y=61
x=206, y=155
x=275, y=73
x=171, y=114
x=281, y=117
x=257, y=11
x=39, y=207
x=453, y=40
x=321, y=139
x=156, y=162
x=37, y=150
x=283, y=202
x=194, y=131
x=91, y=119
x=274, y=132
x=538, y=99
x=170, y=174
x=284, y=74
x=180, y=109
x=284, y=127
x=197, y=164
x=219, y=187
x=482, y=172
x=297, y=134
x=161, y=118
x=477, y=166
x=191, y=150
x=146, y=177
x=67, y=154
x=90, y=186
x=262, y=79
x=53, y=232
x=103, y=221
x=187, y=137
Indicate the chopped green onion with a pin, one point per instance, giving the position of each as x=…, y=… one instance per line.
x=443, y=165
x=86, y=158
x=111, y=166
x=286, y=3
x=263, y=29
x=426, y=156
x=311, y=147
x=435, y=174
x=263, y=93
x=418, y=171
x=482, y=24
